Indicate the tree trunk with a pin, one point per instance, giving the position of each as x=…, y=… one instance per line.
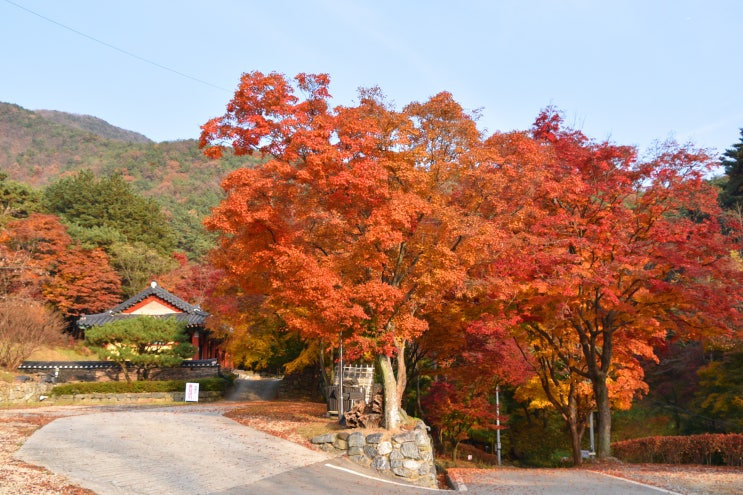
x=603, y=430
x=125, y=369
x=576, y=430
x=391, y=401
x=323, y=372
x=402, y=372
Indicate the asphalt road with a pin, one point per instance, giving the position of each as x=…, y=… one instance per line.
x=190, y=450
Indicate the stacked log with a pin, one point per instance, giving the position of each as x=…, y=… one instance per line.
x=364, y=415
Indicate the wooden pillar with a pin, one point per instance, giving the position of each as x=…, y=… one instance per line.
x=195, y=342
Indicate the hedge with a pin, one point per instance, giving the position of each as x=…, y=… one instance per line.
x=708, y=448
x=205, y=385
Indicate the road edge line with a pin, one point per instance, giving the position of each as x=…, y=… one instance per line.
x=351, y=471
x=668, y=492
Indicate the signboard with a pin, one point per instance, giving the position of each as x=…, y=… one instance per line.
x=192, y=392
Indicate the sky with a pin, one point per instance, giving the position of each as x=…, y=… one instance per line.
x=632, y=72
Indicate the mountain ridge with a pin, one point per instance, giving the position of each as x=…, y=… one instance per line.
x=36, y=151
x=93, y=125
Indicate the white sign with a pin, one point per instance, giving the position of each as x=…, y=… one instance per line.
x=192, y=392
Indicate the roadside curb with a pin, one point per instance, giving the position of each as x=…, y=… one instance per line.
x=456, y=482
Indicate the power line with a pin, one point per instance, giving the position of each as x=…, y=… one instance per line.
x=113, y=47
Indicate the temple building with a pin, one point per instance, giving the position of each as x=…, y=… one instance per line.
x=156, y=301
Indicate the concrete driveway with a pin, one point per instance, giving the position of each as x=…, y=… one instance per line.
x=188, y=450
x=192, y=450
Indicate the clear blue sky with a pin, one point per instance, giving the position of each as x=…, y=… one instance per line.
x=630, y=71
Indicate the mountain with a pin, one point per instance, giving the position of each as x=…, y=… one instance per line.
x=93, y=125
x=36, y=148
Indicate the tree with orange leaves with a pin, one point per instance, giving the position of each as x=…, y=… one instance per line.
x=622, y=252
x=351, y=227
x=74, y=280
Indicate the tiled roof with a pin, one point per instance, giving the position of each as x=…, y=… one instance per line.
x=156, y=290
x=191, y=315
x=99, y=319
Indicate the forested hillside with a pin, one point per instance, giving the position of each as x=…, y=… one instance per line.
x=97, y=126
x=37, y=148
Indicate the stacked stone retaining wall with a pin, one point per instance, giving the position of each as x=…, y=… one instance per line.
x=408, y=455
x=129, y=398
x=26, y=392
x=31, y=392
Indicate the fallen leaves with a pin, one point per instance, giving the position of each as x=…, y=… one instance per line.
x=19, y=477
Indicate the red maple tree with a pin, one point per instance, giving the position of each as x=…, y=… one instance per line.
x=74, y=280
x=621, y=253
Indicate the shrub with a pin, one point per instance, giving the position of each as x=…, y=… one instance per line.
x=478, y=456
x=25, y=325
x=710, y=449
x=205, y=385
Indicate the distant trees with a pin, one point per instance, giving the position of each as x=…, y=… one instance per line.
x=17, y=200
x=82, y=281
x=720, y=393
x=138, y=264
x=732, y=160
x=91, y=202
x=44, y=263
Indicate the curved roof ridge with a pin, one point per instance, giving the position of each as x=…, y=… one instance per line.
x=156, y=290
x=191, y=315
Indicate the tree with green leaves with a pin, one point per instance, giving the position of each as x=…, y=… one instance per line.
x=17, y=200
x=144, y=342
x=89, y=202
x=138, y=264
x=732, y=160
x=720, y=394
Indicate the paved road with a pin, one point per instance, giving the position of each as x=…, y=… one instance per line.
x=255, y=388
x=190, y=450
x=511, y=481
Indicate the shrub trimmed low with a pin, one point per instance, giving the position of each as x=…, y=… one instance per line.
x=708, y=448
x=205, y=385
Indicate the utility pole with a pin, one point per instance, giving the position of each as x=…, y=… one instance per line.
x=497, y=421
x=341, y=417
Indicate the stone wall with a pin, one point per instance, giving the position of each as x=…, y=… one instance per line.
x=129, y=398
x=31, y=392
x=26, y=392
x=407, y=455
x=106, y=371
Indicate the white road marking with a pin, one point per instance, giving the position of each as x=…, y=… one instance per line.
x=663, y=490
x=350, y=471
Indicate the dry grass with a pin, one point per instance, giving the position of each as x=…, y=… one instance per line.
x=63, y=353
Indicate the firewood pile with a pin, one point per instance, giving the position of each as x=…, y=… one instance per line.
x=363, y=415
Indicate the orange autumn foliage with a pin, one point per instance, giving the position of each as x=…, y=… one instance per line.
x=352, y=223
x=74, y=280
